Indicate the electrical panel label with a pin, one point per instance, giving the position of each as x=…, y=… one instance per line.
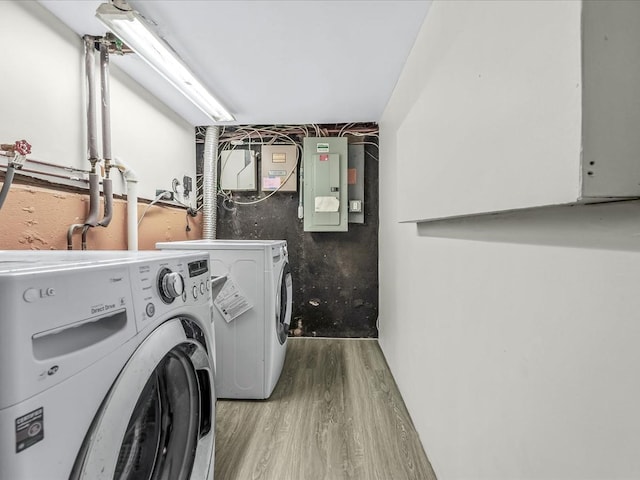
x=231, y=302
x=279, y=158
x=322, y=148
x=29, y=429
x=270, y=183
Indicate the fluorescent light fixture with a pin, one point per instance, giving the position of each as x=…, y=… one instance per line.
x=132, y=29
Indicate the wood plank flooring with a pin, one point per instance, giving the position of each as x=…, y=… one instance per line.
x=335, y=414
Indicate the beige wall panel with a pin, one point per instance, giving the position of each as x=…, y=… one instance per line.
x=38, y=218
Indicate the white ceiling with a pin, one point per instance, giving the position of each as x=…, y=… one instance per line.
x=275, y=62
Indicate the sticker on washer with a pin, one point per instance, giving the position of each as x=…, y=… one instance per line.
x=231, y=302
x=29, y=429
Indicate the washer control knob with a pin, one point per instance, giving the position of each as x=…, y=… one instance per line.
x=170, y=285
x=173, y=285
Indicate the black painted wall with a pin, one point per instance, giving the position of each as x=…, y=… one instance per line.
x=335, y=274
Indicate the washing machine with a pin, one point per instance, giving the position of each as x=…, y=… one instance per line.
x=252, y=313
x=106, y=366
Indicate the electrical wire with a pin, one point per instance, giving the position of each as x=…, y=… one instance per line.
x=372, y=155
x=153, y=202
x=346, y=126
x=248, y=136
x=275, y=191
x=365, y=143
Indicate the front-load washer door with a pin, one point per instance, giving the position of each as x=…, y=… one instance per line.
x=283, y=304
x=157, y=422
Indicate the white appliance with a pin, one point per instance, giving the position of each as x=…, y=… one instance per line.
x=106, y=366
x=251, y=314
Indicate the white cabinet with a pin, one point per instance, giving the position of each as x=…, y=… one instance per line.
x=505, y=114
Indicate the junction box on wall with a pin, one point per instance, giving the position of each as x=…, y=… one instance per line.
x=238, y=170
x=325, y=161
x=356, y=183
x=279, y=168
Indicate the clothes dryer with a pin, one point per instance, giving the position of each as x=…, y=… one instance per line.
x=106, y=366
x=252, y=313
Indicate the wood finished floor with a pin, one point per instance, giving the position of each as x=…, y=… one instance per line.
x=336, y=413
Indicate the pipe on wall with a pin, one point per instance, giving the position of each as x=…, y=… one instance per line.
x=92, y=132
x=92, y=218
x=210, y=183
x=106, y=133
x=92, y=140
x=8, y=180
x=132, y=202
x=90, y=70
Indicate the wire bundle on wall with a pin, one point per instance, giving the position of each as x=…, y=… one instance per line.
x=230, y=138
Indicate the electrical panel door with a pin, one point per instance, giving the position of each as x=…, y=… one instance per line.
x=279, y=168
x=238, y=170
x=325, y=184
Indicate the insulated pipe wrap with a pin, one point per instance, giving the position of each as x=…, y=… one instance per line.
x=92, y=129
x=106, y=105
x=94, y=200
x=107, y=185
x=209, y=183
x=107, y=188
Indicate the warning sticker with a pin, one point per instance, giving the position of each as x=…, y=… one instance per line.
x=29, y=429
x=352, y=176
x=231, y=302
x=270, y=182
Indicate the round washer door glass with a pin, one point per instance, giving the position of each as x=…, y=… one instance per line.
x=283, y=304
x=156, y=423
x=170, y=397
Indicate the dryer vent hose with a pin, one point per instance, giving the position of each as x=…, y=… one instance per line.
x=210, y=183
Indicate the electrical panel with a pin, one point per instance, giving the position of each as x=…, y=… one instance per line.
x=325, y=184
x=355, y=180
x=238, y=170
x=279, y=167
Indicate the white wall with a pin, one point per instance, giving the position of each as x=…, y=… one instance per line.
x=516, y=361
x=42, y=99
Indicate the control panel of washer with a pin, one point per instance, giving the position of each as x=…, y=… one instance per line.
x=162, y=287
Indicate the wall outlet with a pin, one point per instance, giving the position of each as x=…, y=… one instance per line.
x=187, y=185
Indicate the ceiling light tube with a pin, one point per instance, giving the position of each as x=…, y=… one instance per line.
x=132, y=29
